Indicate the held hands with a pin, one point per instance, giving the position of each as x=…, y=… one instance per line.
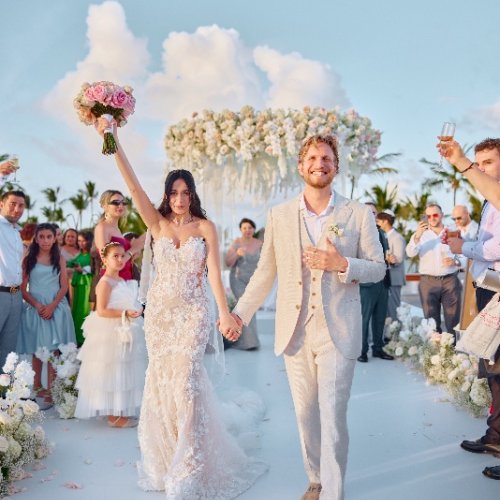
x=230, y=326
x=131, y=313
x=327, y=260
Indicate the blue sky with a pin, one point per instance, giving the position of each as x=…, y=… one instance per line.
x=407, y=66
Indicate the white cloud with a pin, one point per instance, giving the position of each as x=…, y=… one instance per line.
x=297, y=82
x=114, y=54
x=484, y=118
x=208, y=69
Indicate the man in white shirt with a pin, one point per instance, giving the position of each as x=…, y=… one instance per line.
x=319, y=246
x=438, y=267
x=12, y=206
x=467, y=227
x=485, y=253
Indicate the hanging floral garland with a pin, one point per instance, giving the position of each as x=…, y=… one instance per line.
x=256, y=151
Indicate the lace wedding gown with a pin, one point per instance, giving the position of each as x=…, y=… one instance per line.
x=185, y=447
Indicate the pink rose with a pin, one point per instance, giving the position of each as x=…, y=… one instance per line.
x=96, y=93
x=119, y=99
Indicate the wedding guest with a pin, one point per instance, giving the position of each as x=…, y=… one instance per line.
x=136, y=270
x=485, y=254
x=59, y=234
x=27, y=233
x=46, y=320
x=374, y=298
x=12, y=204
x=467, y=227
x=319, y=246
x=396, y=260
x=111, y=377
x=69, y=250
x=242, y=257
x=80, y=283
x=114, y=207
x=439, y=285
x=477, y=177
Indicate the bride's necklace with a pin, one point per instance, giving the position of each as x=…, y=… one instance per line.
x=182, y=221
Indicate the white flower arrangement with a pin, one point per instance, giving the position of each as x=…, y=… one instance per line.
x=258, y=149
x=64, y=392
x=434, y=355
x=20, y=441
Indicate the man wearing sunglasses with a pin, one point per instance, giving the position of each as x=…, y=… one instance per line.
x=438, y=267
x=467, y=227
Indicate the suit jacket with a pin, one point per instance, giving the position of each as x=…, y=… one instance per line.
x=281, y=256
x=397, y=246
x=385, y=246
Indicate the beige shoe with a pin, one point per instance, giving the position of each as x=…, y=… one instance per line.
x=312, y=492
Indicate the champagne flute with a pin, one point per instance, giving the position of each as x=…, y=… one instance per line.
x=447, y=133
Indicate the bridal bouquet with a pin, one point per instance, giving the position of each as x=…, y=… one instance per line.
x=108, y=100
x=21, y=442
x=67, y=365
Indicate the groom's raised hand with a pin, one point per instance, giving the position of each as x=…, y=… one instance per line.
x=327, y=260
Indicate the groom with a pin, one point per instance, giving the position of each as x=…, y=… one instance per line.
x=320, y=246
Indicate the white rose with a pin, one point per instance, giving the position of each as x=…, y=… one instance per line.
x=39, y=433
x=30, y=408
x=412, y=350
x=10, y=362
x=4, y=380
x=435, y=360
x=4, y=444
x=399, y=351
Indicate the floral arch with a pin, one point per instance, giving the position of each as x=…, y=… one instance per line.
x=255, y=152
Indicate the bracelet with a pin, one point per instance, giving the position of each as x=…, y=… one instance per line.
x=468, y=168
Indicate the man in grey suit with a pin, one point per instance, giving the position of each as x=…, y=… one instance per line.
x=320, y=246
x=395, y=258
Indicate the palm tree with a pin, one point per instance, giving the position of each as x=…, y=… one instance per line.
x=447, y=176
x=52, y=196
x=91, y=194
x=476, y=206
x=383, y=197
x=80, y=202
x=29, y=205
x=377, y=168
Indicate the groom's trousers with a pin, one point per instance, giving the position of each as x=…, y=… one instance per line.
x=320, y=379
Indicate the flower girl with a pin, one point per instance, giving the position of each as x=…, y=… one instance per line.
x=46, y=319
x=111, y=377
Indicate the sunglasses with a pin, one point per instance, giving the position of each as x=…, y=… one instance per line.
x=456, y=218
x=117, y=203
x=433, y=216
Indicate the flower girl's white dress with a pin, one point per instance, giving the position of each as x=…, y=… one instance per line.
x=114, y=359
x=186, y=449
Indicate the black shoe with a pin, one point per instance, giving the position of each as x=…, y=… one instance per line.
x=363, y=358
x=479, y=446
x=492, y=472
x=382, y=355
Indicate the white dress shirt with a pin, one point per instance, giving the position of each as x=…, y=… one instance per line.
x=431, y=253
x=11, y=253
x=315, y=223
x=469, y=232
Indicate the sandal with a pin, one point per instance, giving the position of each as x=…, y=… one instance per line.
x=123, y=422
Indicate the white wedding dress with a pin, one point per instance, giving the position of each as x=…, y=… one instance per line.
x=185, y=447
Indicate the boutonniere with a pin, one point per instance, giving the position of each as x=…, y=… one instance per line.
x=336, y=230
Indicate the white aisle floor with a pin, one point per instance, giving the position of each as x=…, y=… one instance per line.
x=404, y=441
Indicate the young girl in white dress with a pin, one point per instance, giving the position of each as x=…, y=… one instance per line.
x=113, y=356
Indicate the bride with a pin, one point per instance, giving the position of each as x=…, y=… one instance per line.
x=185, y=448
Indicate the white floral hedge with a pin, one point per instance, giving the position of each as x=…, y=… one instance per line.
x=415, y=340
x=258, y=149
x=21, y=441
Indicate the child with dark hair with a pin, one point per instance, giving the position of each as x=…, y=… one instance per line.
x=46, y=319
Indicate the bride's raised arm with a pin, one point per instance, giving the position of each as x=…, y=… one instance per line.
x=146, y=209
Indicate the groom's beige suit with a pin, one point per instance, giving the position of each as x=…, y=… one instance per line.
x=318, y=324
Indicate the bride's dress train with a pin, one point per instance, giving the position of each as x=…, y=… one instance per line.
x=186, y=449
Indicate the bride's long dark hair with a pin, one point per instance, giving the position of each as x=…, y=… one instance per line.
x=195, y=203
